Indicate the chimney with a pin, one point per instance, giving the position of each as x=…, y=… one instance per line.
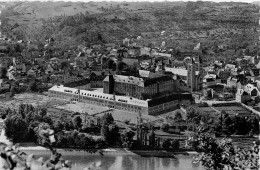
x=111, y=83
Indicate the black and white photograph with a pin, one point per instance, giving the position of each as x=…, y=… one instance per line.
x=129, y=85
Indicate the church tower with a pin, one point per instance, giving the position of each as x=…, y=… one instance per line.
x=191, y=75
x=199, y=68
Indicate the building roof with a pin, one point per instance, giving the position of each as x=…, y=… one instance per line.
x=100, y=95
x=161, y=100
x=77, y=83
x=179, y=71
x=140, y=81
x=144, y=73
x=123, y=99
x=127, y=79
x=210, y=80
x=130, y=61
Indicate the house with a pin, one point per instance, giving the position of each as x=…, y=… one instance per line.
x=20, y=68
x=232, y=82
x=145, y=51
x=251, y=90
x=242, y=96
x=230, y=67
x=211, y=80
x=131, y=62
x=156, y=54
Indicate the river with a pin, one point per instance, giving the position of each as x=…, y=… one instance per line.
x=117, y=161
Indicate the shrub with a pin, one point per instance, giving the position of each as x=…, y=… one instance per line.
x=175, y=144
x=166, y=144
x=16, y=128
x=165, y=127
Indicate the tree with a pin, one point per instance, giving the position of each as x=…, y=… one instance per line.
x=152, y=138
x=227, y=125
x=107, y=118
x=254, y=123
x=175, y=144
x=110, y=64
x=105, y=132
x=109, y=131
x=64, y=65
x=21, y=110
x=68, y=125
x=193, y=112
x=33, y=86
x=3, y=72
x=15, y=128
x=166, y=144
x=14, y=88
x=113, y=134
x=120, y=66
x=58, y=126
x=218, y=154
x=77, y=122
x=43, y=112
x=178, y=116
x=165, y=127
x=127, y=138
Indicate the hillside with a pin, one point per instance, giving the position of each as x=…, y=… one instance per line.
x=231, y=26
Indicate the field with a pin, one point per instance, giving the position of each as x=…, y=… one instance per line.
x=82, y=108
x=208, y=110
x=122, y=116
x=233, y=110
x=59, y=108
x=172, y=114
x=31, y=98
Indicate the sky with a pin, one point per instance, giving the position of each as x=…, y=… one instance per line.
x=138, y=0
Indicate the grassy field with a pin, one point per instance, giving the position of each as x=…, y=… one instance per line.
x=31, y=98
x=82, y=108
x=122, y=116
x=232, y=110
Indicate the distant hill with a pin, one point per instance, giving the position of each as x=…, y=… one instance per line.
x=231, y=25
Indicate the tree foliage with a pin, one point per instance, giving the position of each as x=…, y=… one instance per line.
x=109, y=130
x=77, y=122
x=178, y=117
x=218, y=154
x=127, y=138
x=16, y=128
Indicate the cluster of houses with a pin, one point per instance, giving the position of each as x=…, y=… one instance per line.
x=157, y=70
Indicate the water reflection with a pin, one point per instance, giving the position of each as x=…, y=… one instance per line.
x=115, y=162
x=166, y=162
x=176, y=162
x=128, y=162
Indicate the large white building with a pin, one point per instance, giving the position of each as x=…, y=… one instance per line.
x=149, y=106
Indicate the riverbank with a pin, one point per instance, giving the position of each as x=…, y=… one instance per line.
x=109, y=151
